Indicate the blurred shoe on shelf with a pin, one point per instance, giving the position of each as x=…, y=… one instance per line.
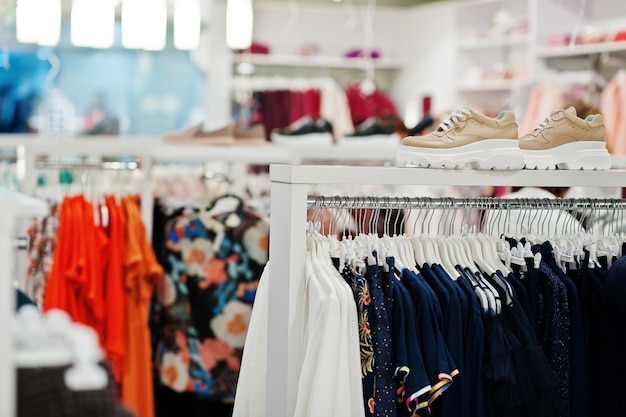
x=372, y=131
x=195, y=135
x=565, y=141
x=304, y=131
x=252, y=136
x=466, y=139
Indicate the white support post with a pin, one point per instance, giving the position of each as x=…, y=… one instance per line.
x=287, y=256
x=147, y=195
x=7, y=307
x=26, y=164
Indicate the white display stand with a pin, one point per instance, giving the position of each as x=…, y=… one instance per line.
x=12, y=207
x=289, y=188
x=151, y=151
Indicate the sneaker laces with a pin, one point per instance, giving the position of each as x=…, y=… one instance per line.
x=547, y=121
x=455, y=118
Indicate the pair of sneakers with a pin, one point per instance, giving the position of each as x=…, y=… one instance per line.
x=470, y=139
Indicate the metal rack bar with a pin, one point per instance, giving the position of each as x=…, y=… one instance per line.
x=113, y=166
x=479, y=203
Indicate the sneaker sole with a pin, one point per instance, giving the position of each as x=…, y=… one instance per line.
x=490, y=154
x=573, y=156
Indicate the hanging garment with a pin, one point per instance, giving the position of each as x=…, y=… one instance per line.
x=214, y=260
x=364, y=106
x=142, y=274
x=115, y=302
x=42, y=236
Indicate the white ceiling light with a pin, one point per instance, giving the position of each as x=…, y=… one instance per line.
x=93, y=23
x=187, y=22
x=144, y=24
x=38, y=21
x=239, y=21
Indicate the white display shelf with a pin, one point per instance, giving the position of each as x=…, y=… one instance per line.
x=473, y=3
x=345, y=151
x=493, y=42
x=489, y=86
x=581, y=50
x=312, y=174
x=152, y=148
x=263, y=154
x=81, y=145
x=13, y=204
x=316, y=61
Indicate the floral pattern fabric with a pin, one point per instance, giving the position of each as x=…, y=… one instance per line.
x=361, y=291
x=214, y=262
x=42, y=238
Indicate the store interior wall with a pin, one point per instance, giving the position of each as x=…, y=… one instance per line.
x=151, y=93
x=427, y=39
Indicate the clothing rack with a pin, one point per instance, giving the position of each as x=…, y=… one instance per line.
x=478, y=203
x=290, y=189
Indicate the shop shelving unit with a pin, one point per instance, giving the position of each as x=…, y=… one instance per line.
x=289, y=188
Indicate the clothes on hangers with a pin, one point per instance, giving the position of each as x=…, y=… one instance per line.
x=42, y=237
x=214, y=257
x=103, y=273
x=364, y=106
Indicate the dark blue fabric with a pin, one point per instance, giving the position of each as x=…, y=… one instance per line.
x=408, y=353
x=537, y=386
x=530, y=283
x=22, y=299
x=607, y=392
x=522, y=296
x=553, y=329
x=454, y=402
x=437, y=358
x=473, y=340
x=384, y=364
x=579, y=391
x=362, y=298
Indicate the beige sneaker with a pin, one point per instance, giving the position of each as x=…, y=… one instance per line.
x=466, y=139
x=195, y=135
x=565, y=141
x=255, y=135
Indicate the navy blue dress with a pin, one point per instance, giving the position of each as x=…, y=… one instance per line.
x=579, y=391
x=440, y=366
x=414, y=384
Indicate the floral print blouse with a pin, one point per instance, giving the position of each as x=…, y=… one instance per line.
x=213, y=262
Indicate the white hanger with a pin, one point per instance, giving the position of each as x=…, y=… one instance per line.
x=487, y=298
x=445, y=255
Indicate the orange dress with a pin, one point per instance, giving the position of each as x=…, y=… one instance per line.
x=115, y=300
x=142, y=274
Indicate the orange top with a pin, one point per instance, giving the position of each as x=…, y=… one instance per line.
x=142, y=273
x=94, y=275
x=115, y=295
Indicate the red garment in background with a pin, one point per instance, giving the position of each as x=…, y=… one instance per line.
x=312, y=103
x=280, y=108
x=363, y=106
x=296, y=106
